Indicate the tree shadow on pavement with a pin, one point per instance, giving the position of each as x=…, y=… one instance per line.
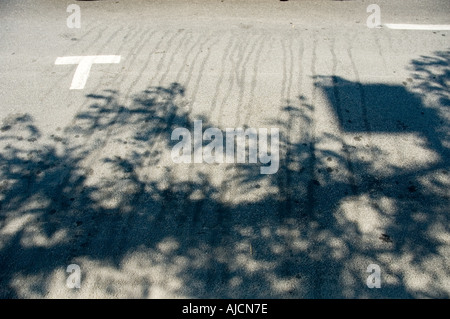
x=105, y=194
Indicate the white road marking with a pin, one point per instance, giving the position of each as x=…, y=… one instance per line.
x=84, y=66
x=432, y=27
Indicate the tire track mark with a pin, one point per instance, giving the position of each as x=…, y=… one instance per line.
x=123, y=76
x=380, y=52
x=186, y=57
x=191, y=64
x=242, y=77
x=177, y=50
x=119, y=75
x=145, y=65
x=163, y=58
x=231, y=80
x=301, y=52
x=200, y=74
x=226, y=52
x=249, y=107
x=290, y=72
x=87, y=99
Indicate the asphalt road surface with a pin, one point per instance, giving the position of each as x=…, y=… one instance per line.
x=358, y=206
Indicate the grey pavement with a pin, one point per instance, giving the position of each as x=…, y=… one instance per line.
x=87, y=177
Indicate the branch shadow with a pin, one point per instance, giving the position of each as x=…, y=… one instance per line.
x=105, y=194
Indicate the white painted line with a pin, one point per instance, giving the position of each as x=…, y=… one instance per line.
x=84, y=66
x=432, y=27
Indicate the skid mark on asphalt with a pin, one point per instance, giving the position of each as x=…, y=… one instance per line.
x=200, y=72
x=175, y=51
x=241, y=77
x=136, y=54
x=221, y=76
x=230, y=81
x=249, y=108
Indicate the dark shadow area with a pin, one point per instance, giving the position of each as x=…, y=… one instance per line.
x=104, y=194
x=376, y=108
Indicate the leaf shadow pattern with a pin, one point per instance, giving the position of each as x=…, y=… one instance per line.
x=105, y=194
